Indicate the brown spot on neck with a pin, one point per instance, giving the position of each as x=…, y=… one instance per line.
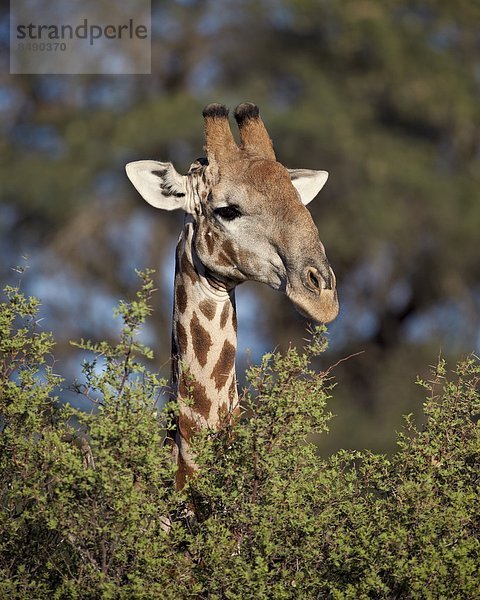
x=208, y=308
x=232, y=391
x=225, y=314
x=201, y=340
x=187, y=426
x=184, y=472
x=224, y=366
x=182, y=340
x=180, y=297
x=192, y=390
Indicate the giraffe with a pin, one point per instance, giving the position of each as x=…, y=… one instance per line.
x=245, y=219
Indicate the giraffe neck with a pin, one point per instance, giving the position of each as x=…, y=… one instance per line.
x=204, y=341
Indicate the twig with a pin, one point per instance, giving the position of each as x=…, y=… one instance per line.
x=331, y=367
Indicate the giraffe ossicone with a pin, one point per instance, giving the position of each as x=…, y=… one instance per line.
x=245, y=219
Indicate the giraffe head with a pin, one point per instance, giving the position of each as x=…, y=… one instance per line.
x=249, y=212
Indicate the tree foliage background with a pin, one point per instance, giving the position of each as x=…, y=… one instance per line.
x=382, y=94
x=84, y=494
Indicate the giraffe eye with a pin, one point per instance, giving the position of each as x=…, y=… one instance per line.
x=227, y=213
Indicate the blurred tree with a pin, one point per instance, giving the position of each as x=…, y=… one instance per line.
x=383, y=94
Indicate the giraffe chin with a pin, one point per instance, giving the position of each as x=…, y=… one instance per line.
x=322, y=309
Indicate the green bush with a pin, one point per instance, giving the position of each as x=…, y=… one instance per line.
x=84, y=495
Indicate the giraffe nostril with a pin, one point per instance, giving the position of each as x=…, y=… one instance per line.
x=313, y=279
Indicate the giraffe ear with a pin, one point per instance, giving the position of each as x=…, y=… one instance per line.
x=159, y=184
x=308, y=183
